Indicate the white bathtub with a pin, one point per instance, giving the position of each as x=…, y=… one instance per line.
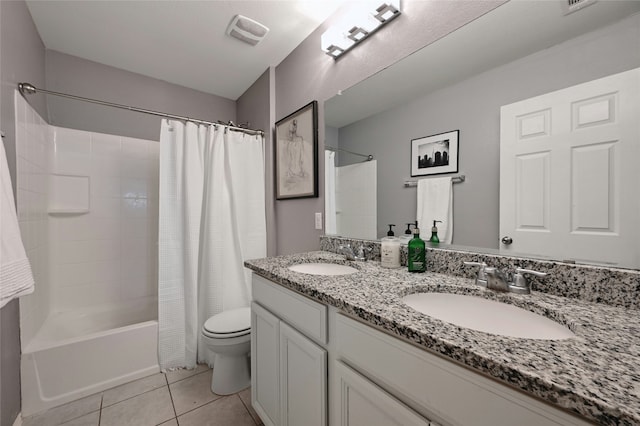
x=82, y=352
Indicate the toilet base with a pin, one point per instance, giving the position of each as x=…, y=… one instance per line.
x=231, y=374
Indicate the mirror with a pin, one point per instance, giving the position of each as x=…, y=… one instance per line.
x=520, y=50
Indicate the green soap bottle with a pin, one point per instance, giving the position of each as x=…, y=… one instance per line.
x=434, y=240
x=416, y=252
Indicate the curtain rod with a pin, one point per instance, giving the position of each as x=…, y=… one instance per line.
x=28, y=89
x=369, y=157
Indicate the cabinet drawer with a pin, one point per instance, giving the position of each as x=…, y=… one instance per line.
x=307, y=316
x=434, y=386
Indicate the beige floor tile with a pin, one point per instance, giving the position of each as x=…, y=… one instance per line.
x=92, y=419
x=151, y=408
x=174, y=376
x=225, y=411
x=192, y=393
x=65, y=413
x=172, y=422
x=131, y=389
x=245, y=396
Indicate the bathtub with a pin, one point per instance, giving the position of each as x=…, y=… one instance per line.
x=79, y=353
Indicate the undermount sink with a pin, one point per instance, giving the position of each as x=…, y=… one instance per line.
x=323, y=269
x=487, y=316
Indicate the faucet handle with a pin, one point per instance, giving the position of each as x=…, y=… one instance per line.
x=530, y=271
x=345, y=247
x=520, y=283
x=481, y=278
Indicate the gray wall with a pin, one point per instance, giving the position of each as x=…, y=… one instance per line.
x=254, y=107
x=77, y=76
x=21, y=57
x=308, y=74
x=332, y=138
x=473, y=107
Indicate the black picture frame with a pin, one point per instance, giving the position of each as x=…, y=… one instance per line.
x=436, y=154
x=296, y=154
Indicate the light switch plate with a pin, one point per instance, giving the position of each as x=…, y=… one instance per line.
x=318, y=220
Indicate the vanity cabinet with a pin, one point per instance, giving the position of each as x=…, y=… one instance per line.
x=436, y=387
x=298, y=345
x=289, y=368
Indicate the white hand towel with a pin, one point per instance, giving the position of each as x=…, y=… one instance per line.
x=16, y=278
x=435, y=202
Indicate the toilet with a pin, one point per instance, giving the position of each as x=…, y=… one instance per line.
x=228, y=336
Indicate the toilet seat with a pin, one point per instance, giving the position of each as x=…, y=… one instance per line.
x=228, y=324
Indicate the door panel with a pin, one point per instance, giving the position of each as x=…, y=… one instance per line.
x=303, y=380
x=265, y=384
x=595, y=199
x=532, y=203
x=569, y=174
x=362, y=403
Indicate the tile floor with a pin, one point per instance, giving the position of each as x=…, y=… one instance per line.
x=180, y=397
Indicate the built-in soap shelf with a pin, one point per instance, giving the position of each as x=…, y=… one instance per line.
x=67, y=212
x=68, y=195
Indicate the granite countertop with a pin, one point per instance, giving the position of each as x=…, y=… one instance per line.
x=596, y=374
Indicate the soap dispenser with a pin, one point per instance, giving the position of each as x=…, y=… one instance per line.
x=434, y=240
x=408, y=235
x=390, y=250
x=416, y=258
x=390, y=231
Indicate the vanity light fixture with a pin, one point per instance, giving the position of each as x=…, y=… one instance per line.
x=359, y=24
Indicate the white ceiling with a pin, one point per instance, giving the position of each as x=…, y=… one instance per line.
x=179, y=41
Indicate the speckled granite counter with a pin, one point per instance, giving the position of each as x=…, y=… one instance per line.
x=596, y=374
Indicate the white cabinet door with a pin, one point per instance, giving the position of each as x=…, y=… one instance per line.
x=362, y=403
x=569, y=172
x=265, y=365
x=303, y=380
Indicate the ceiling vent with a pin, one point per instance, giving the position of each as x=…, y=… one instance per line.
x=570, y=6
x=247, y=30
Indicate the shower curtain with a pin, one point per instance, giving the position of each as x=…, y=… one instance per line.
x=212, y=218
x=330, y=192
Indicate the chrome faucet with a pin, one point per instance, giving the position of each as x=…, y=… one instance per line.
x=347, y=251
x=481, y=278
x=350, y=254
x=495, y=279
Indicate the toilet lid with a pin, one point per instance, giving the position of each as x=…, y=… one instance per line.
x=229, y=322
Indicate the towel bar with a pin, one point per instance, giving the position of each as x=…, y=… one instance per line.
x=455, y=179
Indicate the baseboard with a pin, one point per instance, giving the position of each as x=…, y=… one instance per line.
x=18, y=420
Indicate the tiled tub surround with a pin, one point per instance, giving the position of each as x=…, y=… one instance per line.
x=594, y=374
x=88, y=211
x=612, y=286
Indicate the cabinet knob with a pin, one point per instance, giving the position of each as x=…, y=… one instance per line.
x=506, y=240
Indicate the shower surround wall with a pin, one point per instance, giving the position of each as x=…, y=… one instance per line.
x=31, y=197
x=108, y=254
x=88, y=211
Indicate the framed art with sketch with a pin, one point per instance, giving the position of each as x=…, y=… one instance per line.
x=296, y=154
x=435, y=154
